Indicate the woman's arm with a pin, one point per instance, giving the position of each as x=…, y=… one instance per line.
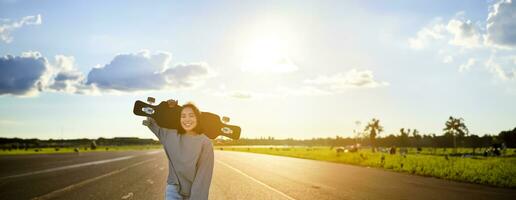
x=153, y=126
x=201, y=184
x=151, y=123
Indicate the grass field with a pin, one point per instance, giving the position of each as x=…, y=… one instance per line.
x=496, y=171
x=81, y=149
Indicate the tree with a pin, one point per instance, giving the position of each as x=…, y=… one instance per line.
x=374, y=129
x=508, y=137
x=417, y=137
x=404, y=137
x=475, y=142
x=455, y=127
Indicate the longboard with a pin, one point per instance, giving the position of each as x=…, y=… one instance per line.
x=168, y=117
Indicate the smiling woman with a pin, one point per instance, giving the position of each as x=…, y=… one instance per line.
x=190, y=155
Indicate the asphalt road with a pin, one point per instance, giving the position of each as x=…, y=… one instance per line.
x=142, y=175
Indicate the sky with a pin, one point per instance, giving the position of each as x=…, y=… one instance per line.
x=286, y=69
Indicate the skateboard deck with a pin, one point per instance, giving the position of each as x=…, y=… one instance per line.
x=168, y=117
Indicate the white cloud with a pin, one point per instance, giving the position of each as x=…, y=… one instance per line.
x=501, y=24
x=30, y=73
x=8, y=122
x=238, y=94
x=187, y=75
x=305, y=90
x=457, y=31
x=448, y=59
x=274, y=64
x=466, y=66
x=495, y=63
x=319, y=86
x=352, y=79
x=146, y=71
x=464, y=33
x=434, y=31
x=67, y=78
x=8, y=26
x=279, y=91
x=23, y=75
x=471, y=44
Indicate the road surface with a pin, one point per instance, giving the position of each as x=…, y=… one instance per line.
x=237, y=175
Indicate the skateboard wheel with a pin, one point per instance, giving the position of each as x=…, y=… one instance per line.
x=148, y=110
x=151, y=100
x=226, y=130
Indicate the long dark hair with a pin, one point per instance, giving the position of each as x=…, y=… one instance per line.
x=198, y=128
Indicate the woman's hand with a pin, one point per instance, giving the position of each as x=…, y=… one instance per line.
x=148, y=121
x=172, y=103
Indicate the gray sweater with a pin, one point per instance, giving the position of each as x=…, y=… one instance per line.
x=190, y=161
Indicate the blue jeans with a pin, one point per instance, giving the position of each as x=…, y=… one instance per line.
x=172, y=193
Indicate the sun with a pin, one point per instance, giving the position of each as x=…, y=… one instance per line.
x=267, y=52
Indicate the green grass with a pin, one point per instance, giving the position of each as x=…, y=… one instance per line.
x=81, y=149
x=495, y=171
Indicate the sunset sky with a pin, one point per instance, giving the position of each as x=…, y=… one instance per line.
x=287, y=69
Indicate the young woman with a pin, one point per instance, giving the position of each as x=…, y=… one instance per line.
x=190, y=155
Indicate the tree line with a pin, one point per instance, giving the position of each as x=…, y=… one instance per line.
x=19, y=143
x=455, y=134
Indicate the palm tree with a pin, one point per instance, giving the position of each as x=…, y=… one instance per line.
x=417, y=138
x=356, y=132
x=455, y=127
x=374, y=129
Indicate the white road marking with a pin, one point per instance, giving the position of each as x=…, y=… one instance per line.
x=59, y=192
x=256, y=180
x=75, y=166
x=129, y=195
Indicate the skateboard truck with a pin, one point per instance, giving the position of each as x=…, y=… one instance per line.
x=149, y=110
x=151, y=100
x=226, y=130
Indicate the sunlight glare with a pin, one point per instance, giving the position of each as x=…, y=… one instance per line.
x=267, y=53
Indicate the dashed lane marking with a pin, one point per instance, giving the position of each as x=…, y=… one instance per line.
x=256, y=180
x=61, y=191
x=75, y=166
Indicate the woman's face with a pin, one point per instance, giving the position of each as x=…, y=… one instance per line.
x=188, y=119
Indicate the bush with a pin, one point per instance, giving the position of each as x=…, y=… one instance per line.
x=93, y=145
